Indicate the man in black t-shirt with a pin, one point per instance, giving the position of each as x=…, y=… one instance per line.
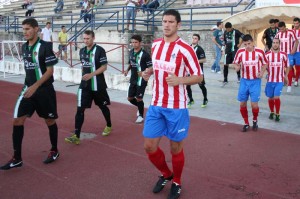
x=269, y=35
x=93, y=85
x=139, y=60
x=201, y=58
x=38, y=93
x=232, y=41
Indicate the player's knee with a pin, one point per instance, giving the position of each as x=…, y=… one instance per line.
x=150, y=147
x=19, y=121
x=80, y=111
x=130, y=99
x=139, y=99
x=50, y=122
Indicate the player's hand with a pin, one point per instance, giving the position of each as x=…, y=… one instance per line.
x=125, y=73
x=172, y=79
x=30, y=91
x=140, y=73
x=87, y=77
x=146, y=74
x=259, y=75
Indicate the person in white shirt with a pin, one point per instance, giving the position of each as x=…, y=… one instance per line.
x=46, y=33
x=131, y=11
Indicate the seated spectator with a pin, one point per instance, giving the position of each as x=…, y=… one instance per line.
x=25, y=4
x=152, y=6
x=84, y=8
x=144, y=5
x=30, y=9
x=88, y=16
x=59, y=6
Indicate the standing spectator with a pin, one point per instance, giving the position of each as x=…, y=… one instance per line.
x=46, y=33
x=296, y=22
x=63, y=42
x=218, y=41
x=288, y=44
x=25, y=4
x=139, y=60
x=168, y=115
x=277, y=64
x=38, y=93
x=269, y=35
x=84, y=8
x=232, y=41
x=131, y=12
x=252, y=61
x=201, y=59
x=93, y=85
x=59, y=6
x=30, y=9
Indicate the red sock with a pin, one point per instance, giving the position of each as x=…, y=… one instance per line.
x=277, y=105
x=297, y=68
x=290, y=76
x=158, y=159
x=255, y=113
x=271, y=104
x=244, y=113
x=178, y=163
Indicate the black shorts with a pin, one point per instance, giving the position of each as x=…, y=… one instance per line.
x=136, y=91
x=43, y=101
x=229, y=57
x=85, y=98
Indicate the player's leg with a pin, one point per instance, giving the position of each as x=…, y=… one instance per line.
x=269, y=92
x=277, y=102
x=243, y=95
x=254, y=91
x=291, y=64
x=140, y=103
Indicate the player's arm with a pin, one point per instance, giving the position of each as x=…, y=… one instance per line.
x=100, y=70
x=202, y=60
x=263, y=70
x=173, y=80
x=127, y=70
x=263, y=41
x=295, y=46
x=147, y=73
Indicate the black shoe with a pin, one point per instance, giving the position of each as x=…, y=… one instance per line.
x=175, y=191
x=271, y=117
x=255, y=126
x=13, y=163
x=245, y=128
x=204, y=103
x=161, y=183
x=277, y=118
x=53, y=155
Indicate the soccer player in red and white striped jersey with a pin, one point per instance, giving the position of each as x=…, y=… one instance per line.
x=277, y=64
x=296, y=29
x=288, y=44
x=252, y=62
x=172, y=60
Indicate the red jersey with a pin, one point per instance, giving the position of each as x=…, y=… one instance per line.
x=176, y=57
x=297, y=33
x=251, y=62
x=287, y=40
x=277, y=62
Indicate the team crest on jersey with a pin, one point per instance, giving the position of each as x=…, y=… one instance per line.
x=173, y=56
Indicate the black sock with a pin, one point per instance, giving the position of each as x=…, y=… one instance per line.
x=53, y=136
x=79, y=119
x=106, y=113
x=238, y=74
x=204, y=91
x=17, y=136
x=225, y=72
x=140, y=105
x=133, y=101
x=189, y=92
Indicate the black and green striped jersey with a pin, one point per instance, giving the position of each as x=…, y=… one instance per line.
x=138, y=61
x=37, y=58
x=232, y=40
x=200, y=53
x=91, y=60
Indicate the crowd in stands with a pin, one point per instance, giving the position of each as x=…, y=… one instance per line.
x=30, y=9
x=59, y=6
x=213, y=2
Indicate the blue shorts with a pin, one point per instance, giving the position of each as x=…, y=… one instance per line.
x=273, y=89
x=130, y=13
x=250, y=87
x=172, y=123
x=294, y=59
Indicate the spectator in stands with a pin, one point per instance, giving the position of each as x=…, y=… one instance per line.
x=84, y=8
x=101, y=2
x=30, y=9
x=131, y=11
x=63, y=42
x=46, y=33
x=88, y=16
x=152, y=6
x=218, y=41
x=269, y=35
x=59, y=6
x=25, y=4
x=144, y=5
x=81, y=3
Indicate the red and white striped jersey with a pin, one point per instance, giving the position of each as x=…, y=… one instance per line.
x=251, y=62
x=297, y=33
x=287, y=40
x=277, y=62
x=176, y=57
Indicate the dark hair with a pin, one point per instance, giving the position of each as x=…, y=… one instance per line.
x=296, y=19
x=272, y=21
x=62, y=27
x=137, y=37
x=89, y=32
x=277, y=39
x=276, y=20
x=219, y=23
x=48, y=22
x=281, y=24
x=31, y=21
x=228, y=25
x=174, y=13
x=197, y=35
x=247, y=37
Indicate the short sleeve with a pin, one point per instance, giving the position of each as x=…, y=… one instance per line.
x=148, y=60
x=102, y=56
x=200, y=53
x=50, y=59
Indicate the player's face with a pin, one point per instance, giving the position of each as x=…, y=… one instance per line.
x=249, y=45
x=272, y=25
x=228, y=29
x=282, y=29
x=275, y=44
x=195, y=40
x=88, y=40
x=170, y=25
x=296, y=24
x=135, y=44
x=29, y=32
